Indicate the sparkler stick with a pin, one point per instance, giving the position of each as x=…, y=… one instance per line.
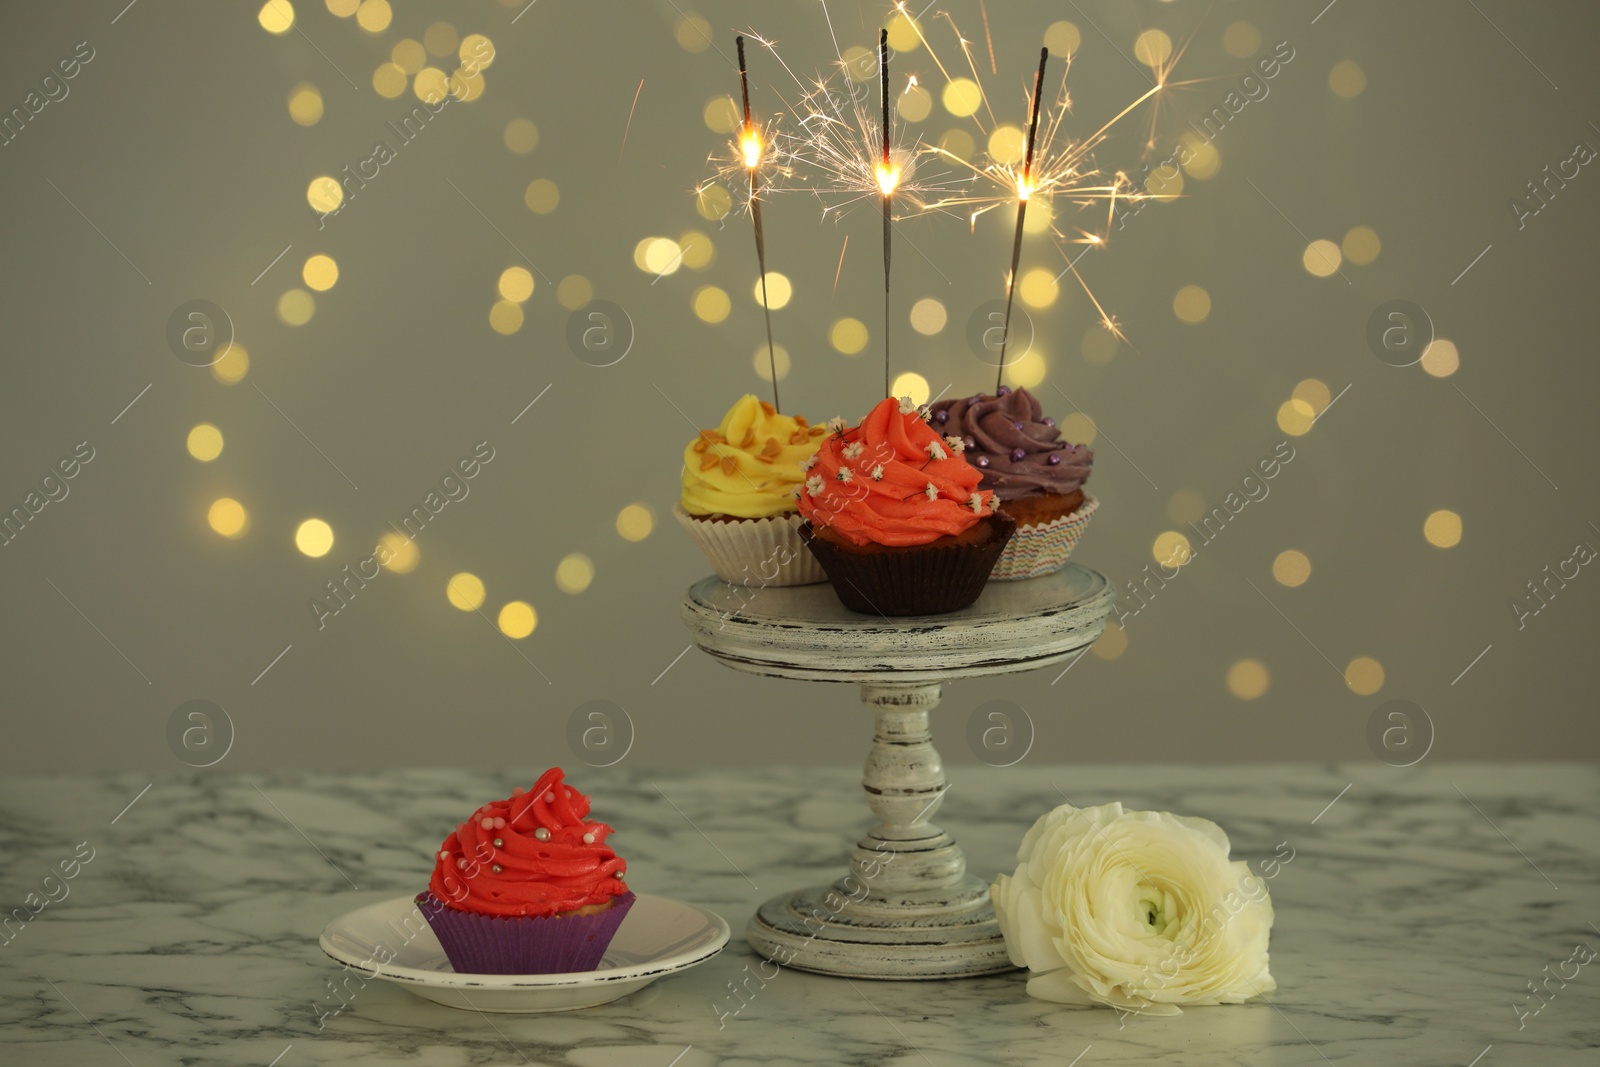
x=1024, y=187
x=888, y=177
x=750, y=145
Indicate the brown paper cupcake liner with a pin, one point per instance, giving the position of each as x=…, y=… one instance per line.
x=916, y=580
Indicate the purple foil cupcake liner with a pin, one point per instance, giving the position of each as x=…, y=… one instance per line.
x=500, y=944
x=1039, y=550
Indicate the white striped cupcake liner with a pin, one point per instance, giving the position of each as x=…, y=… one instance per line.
x=755, y=551
x=1042, y=549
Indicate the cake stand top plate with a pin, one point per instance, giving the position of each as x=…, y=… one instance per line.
x=804, y=632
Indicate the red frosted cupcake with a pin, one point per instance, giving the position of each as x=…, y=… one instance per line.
x=527, y=885
x=896, y=518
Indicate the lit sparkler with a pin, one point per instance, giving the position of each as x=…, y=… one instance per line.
x=750, y=152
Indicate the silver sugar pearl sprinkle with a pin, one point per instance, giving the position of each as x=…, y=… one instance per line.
x=542, y=834
x=549, y=798
x=588, y=839
x=496, y=868
x=499, y=843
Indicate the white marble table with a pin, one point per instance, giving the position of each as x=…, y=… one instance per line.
x=1413, y=914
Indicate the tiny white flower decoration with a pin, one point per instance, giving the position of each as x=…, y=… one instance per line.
x=906, y=405
x=956, y=444
x=809, y=462
x=814, y=485
x=932, y=491
x=975, y=502
x=846, y=474
x=877, y=473
x=854, y=449
x=836, y=424
x=936, y=450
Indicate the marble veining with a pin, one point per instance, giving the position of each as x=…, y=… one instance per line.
x=1415, y=915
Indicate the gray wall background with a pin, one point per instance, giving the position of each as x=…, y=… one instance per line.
x=172, y=172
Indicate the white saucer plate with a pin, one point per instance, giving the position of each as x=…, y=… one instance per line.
x=391, y=940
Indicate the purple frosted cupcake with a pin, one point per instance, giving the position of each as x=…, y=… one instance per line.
x=1037, y=477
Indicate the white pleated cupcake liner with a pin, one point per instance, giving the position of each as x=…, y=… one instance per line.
x=755, y=551
x=1039, y=550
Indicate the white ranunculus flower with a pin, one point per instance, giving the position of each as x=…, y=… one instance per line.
x=1141, y=910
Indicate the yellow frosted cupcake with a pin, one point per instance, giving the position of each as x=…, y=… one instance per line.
x=740, y=482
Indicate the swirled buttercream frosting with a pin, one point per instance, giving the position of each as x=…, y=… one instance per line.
x=749, y=466
x=1017, y=450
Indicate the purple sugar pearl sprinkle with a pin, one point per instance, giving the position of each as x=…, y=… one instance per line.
x=969, y=441
x=1016, y=425
x=1048, y=421
x=981, y=461
x=1054, y=459
x=1004, y=390
x=941, y=417
x=1017, y=454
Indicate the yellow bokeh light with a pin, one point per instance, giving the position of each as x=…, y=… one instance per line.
x=521, y=137
x=1295, y=417
x=1152, y=48
x=1204, y=160
x=658, y=256
x=409, y=55
x=859, y=64
x=712, y=202
x=204, y=442
x=441, y=39
x=911, y=384
x=1112, y=643
x=276, y=16
x=574, y=291
x=389, y=81
x=711, y=304
x=296, y=307
x=1164, y=181
x=1038, y=288
x=374, y=16
x=517, y=619
x=476, y=51
x=1361, y=245
x=1321, y=258
x=903, y=35
x=574, y=573
x=961, y=97
x=314, y=538
x=431, y=85
x=1008, y=145
x=1442, y=529
x=228, y=517
x=778, y=290
x=1347, y=79
x=465, y=86
x=722, y=115
x=693, y=33
x=324, y=194
x=958, y=143
x=928, y=316
x=515, y=284
x=465, y=591
x=848, y=336
x=1248, y=679
x=1241, y=39
x=1062, y=38
x=342, y=8
x=305, y=104
x=1291, y=568
x=505, y=317
x=635, y=522
x=763, y=363
x=1364, y=675
x=1098, y=345
x=1314, y=393
x=1078, y=429
x=541, y=196
x=1192, y=304
x=1186, y=505
x=698, y=250
x=1027, y=371
x=1440, y=358
x=320, y=272
x=1041, y=213
x=1171, y=549
x=233, y=366
x=397, y=553
x=915, y=104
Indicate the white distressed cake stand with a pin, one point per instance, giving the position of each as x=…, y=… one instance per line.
x=908, y=908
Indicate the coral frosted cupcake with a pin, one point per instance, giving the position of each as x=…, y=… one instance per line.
x=527, y=885
x=896, y=518
x=1037, y=476
x=738, y=499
